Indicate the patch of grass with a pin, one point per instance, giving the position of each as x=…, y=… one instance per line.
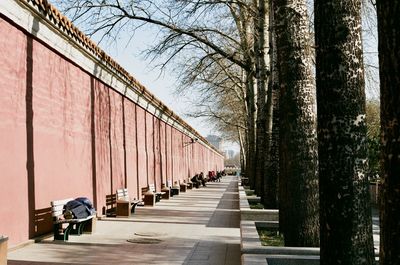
x=270, y=237
x=256, y=205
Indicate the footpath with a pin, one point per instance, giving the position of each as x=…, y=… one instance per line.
x=198, y=227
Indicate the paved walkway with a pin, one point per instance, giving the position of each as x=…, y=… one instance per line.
x=200, y=227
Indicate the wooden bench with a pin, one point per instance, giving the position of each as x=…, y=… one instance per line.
x=111, y=205
x=189, y=184
x=182, y=185
x=174, y=189
x=125, y=205
x=158, y=195
x=151, y=198
x=167, y=191
x=74, y=226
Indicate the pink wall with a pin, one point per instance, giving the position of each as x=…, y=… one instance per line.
x=101, y=152
x=117, y=142
x=64, y=133
x=157, y=153
x=13, y=134
x=163, y=154
x=169, y=153
x=61, y=130
x=131, y=149
x=141, y=146
x=149, y=125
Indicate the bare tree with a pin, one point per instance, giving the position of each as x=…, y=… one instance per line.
x=192, y=27
x=221, y=89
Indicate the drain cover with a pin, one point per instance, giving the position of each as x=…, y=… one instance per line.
x=144, y=240
x=149, y=234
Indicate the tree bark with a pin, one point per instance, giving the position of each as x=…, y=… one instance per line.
x=270, y=199
x=269, y=196
x=251, y=134
x=345, y=214
x=242, y=150
x=389, y=70
x=262, y=71
x=298, y=191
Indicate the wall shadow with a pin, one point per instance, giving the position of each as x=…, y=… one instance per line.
x=93, y=139
x=30, y=156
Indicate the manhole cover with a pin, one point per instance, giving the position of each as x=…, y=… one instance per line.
x=149, y=234
x=144, y=240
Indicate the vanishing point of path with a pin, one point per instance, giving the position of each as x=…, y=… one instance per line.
x=200, y=227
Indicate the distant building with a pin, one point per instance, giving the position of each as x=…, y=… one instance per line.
x=215, y=140
x=229, y=154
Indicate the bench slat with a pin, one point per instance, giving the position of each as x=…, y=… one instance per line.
x=60, y=202
x=122, y=194
x=73, y=221
x=152, y=188
x=58, y=207
x=57, y=213
x=110, y=199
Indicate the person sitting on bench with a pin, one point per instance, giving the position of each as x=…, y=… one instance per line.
x=219, y=176
x=202, y=179
x=196, y=181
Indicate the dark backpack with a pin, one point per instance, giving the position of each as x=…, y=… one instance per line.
x=78, y=209
x=87, y=203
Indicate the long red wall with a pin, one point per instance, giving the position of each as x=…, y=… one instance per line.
x=64, y=133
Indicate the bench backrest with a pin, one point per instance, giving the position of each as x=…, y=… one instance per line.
x=111, y=200
x=169, y=183
x=122, y=194
x=144, y=190
x=152, y=188
x=57, y=207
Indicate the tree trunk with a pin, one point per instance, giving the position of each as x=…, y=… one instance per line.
x=261, y=46
x=270, y=199
x=269, y=196
x=242, y=151
x=251, y=141
x=345, y=214
x=389, y=70
x=298, y=192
